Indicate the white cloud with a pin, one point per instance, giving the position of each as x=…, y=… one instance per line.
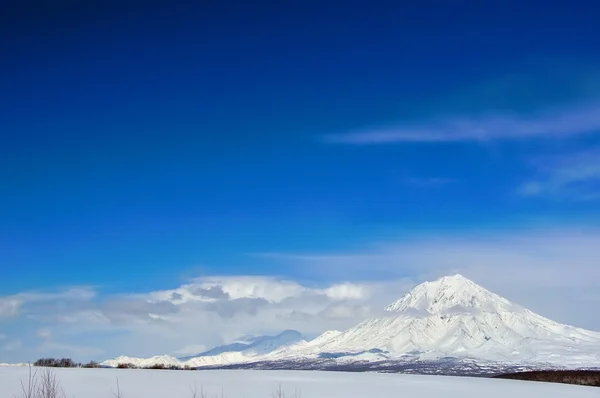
x=33, y=302
x=46, y=306
x=556, y=122
x=345, y=311
x=346, y=291
x=44, y=333
x=9, y=307
x=80, y=293
x=573, y=176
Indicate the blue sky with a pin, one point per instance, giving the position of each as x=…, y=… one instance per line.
x=147, y=148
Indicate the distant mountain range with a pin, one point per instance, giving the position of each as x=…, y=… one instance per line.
x=450, y=318
x=256, y=345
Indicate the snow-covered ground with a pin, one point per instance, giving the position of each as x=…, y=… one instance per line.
x=100, y=383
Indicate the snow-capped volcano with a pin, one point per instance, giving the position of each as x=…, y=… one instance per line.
x=453, y=316
x=449, y=294
x=449, y=317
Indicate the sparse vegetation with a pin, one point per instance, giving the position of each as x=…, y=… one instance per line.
x=41, y=385
x=579, y=377
x=49, y=386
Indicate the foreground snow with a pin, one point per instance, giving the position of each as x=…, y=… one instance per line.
x=100, y=383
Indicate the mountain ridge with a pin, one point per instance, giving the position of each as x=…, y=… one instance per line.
x=254, y=343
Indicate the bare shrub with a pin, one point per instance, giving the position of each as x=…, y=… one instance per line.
x=29, y=388
x=197, y=394
x=118, y=394
x=126, y=366
x=49, y=386
x=41, y=385
x=279, y=393
x=91, y=365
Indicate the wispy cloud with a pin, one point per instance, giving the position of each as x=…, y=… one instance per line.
x=44, y=333
x=574, y=176
x=556, y=122
x=14, y=305
x=9, y=307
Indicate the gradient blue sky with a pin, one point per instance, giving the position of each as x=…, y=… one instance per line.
x=149, y=144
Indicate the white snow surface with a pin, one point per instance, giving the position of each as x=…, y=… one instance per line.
x=101, y=383
x=450, y=317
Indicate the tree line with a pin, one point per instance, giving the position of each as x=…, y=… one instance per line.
x=69, y=363
x=64, y=363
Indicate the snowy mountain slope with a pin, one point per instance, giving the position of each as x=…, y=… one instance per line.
x=255, y=345
x=450, y=317
x=241, y=351
x=455, y=317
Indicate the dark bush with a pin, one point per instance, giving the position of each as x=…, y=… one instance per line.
x=579, y=377
x=165, y=367
x=91, y=365
x=126, y=366
x=56, y=363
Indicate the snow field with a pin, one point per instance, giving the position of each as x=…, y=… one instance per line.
x=101, y=383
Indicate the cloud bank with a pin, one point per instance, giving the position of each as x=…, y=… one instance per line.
x=554, y=273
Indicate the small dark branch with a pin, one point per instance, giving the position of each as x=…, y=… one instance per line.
x=118, y=393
